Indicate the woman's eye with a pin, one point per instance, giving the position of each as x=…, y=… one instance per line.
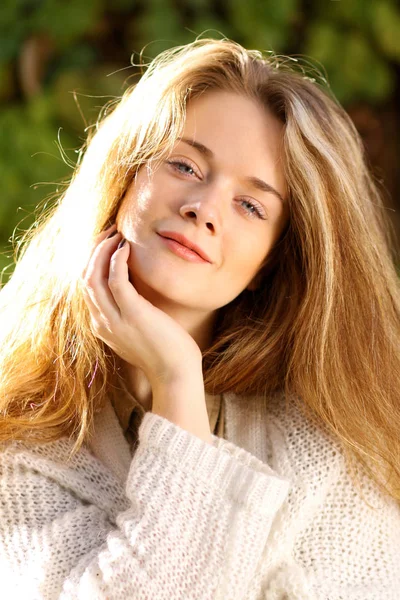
x=253, y=210
x=182, y=167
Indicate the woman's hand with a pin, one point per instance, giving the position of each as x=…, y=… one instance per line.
x=140, y=333
x=146, y=337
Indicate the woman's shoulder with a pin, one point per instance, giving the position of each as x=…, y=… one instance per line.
x=336, y=520
x=301, y=449
x=305, y=440
x=333, y=495
x=277, y=430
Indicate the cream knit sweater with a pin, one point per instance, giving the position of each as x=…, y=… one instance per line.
x=269, y=513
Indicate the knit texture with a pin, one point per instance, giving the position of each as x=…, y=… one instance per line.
x=269, y=513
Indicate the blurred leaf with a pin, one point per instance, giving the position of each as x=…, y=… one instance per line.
x=80, y=56
x=13, y=28
x=366, y=75
x=160, y=24
x=121, y=6
x=7, y=85
x=211, y=26
x=386, y=27
x=283, y=11
x=29, y=156
x=65, y=21
x=10, y=14
x=356, y=13
x=354, y=70
x=263, y=24
x=80, y=94
x=324, y=43
x=204, y=6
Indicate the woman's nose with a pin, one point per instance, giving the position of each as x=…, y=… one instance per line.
x=204, y=210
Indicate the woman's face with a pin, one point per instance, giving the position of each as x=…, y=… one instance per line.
x=207, y=191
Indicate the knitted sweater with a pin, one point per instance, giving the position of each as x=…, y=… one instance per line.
x=268, y=513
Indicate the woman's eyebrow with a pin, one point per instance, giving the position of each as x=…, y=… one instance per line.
x=254, y=181
x=200, y=147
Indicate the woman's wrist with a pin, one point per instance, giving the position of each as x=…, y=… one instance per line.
x=177, y=376
x=181, y=400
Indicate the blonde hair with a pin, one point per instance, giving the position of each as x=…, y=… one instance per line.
x=324, y=323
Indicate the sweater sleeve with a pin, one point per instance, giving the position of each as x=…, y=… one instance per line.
x=194, y=524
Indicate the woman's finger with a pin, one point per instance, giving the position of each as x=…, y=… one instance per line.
x=103, y=234
x=124, y=293
x=92, y=307
x=96, y=278
x=106, y=233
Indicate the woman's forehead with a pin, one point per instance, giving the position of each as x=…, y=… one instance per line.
x=236, y=131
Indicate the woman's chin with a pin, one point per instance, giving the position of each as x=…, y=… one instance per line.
x=155, y=292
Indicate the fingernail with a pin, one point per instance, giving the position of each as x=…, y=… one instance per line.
x=122, y=242
x=110, y=235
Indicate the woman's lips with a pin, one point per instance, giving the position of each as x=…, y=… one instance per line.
x=182, y=251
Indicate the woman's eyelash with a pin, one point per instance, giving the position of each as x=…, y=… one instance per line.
x=181, y=163
x=257, y=210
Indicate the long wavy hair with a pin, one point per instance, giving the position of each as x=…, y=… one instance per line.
x=323, y=324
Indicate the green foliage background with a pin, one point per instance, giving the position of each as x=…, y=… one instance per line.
x=83, y=50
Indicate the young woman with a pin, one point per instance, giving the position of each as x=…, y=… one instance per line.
x=200, y=353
